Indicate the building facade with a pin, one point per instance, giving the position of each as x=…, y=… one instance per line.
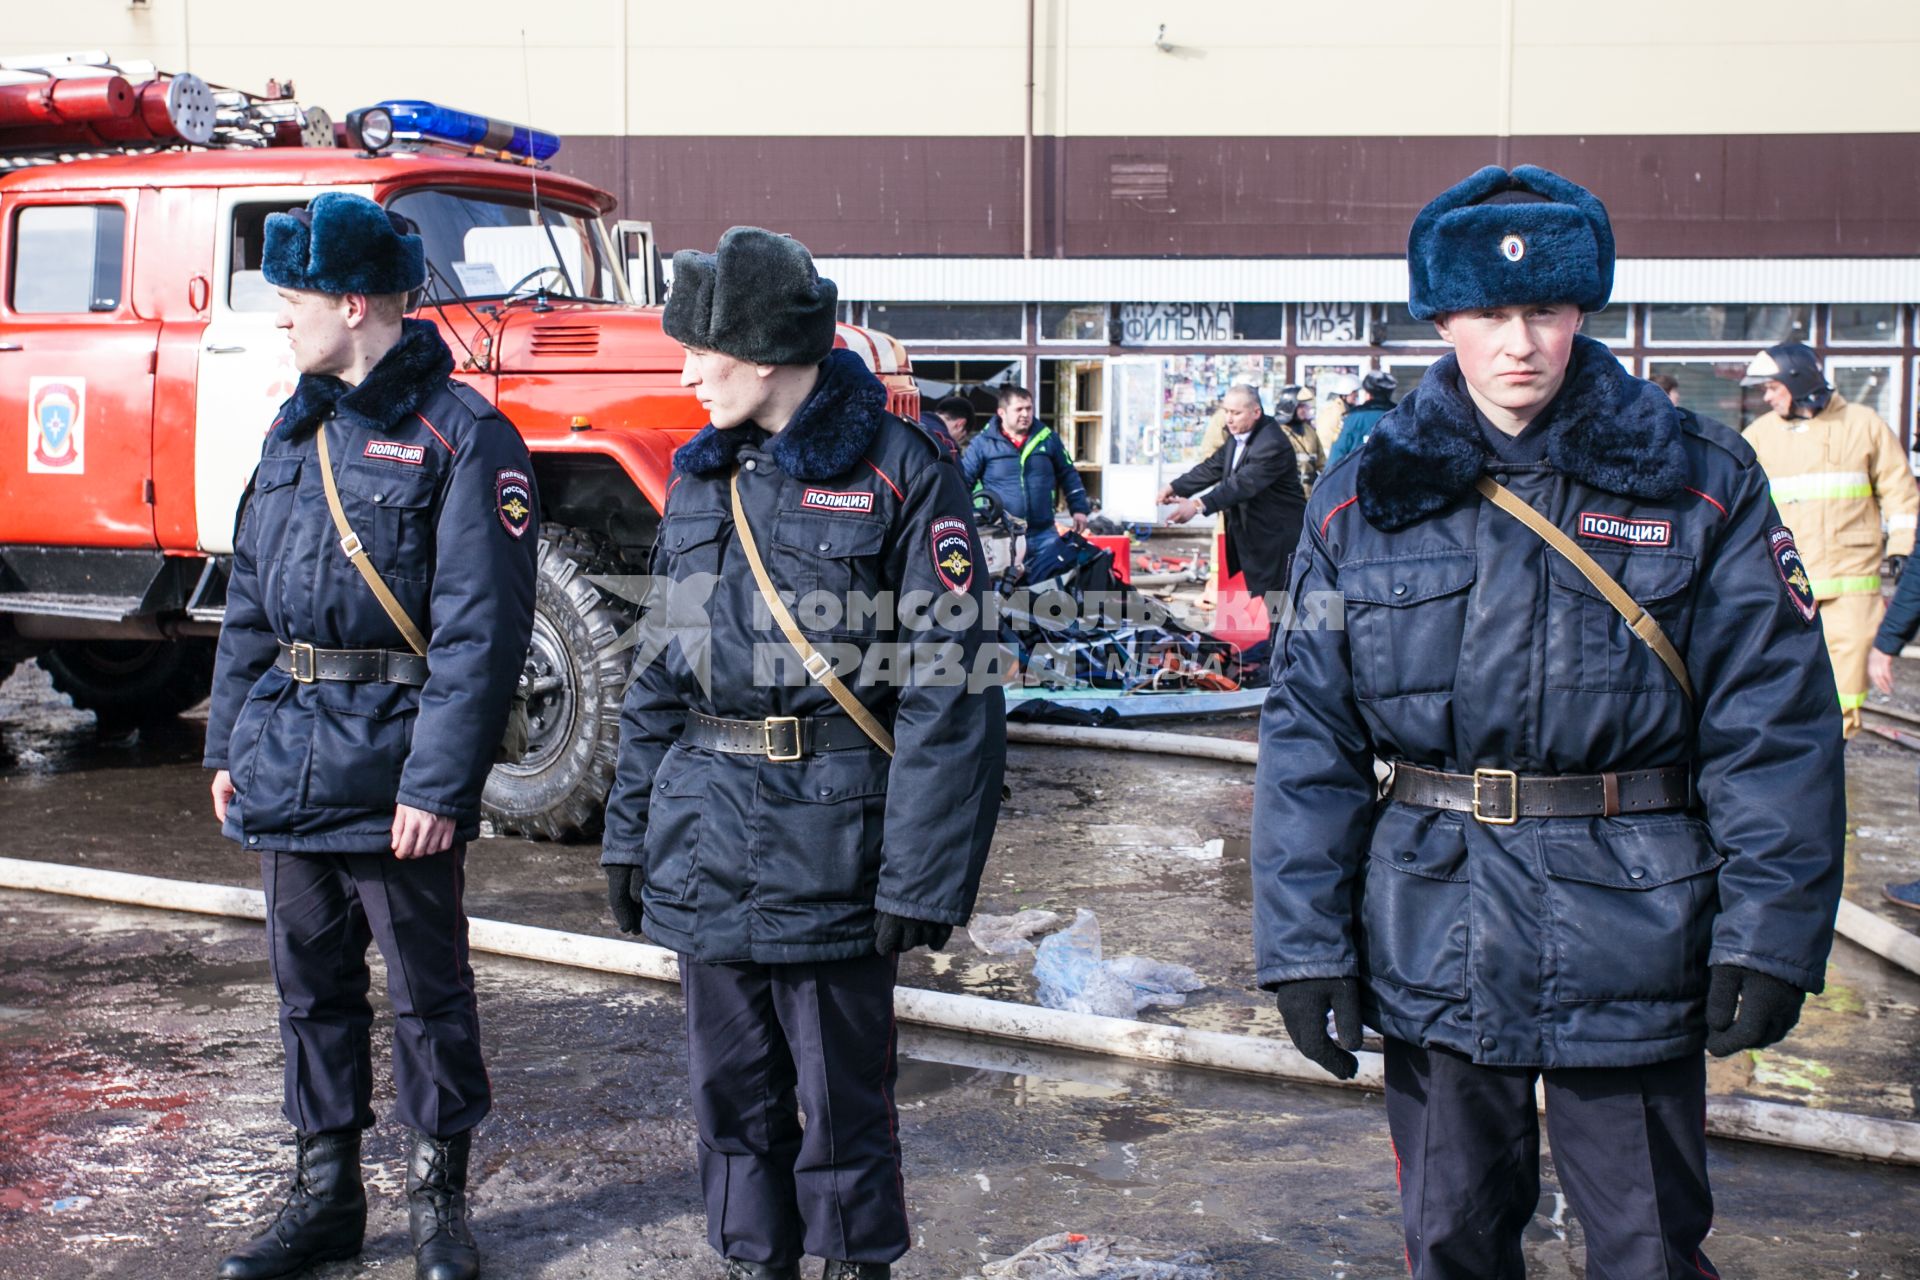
x=1128, y=206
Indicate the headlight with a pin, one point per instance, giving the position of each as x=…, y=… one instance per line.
x=371, y=128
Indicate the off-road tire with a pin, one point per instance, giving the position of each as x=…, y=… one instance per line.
x=559, y=792
x=127, y=683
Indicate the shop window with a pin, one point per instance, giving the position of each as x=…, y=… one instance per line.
x=1260, y=321
x=949, y=321
x=1608, y=325
x=1755, y=325
x=1073, y=322
x=977, y=378
x=1872, y=383
x=1407, y=372
x=1170, y=324
x=1073, y=401
x=1394, y=325
x=1324, y=324
x=1863, y=323
x=68, y=259
x=1711, y=388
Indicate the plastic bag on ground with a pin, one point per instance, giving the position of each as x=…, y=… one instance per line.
x=1071, y=1256
x=1073, y=977
x=1009, y=935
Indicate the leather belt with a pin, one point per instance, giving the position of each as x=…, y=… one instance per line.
x=1502, y=797
x=776, y=738
x=305, y=663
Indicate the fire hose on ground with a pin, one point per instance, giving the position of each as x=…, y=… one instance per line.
x=1745, y=1119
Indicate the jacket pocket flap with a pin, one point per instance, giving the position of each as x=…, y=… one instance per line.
x=828, y=536
x=826, y=779
x=1421, y=842
x=1409, y=579
x=371, y=699
x=680, y=773
x=1645, y=575
x=388, y=486
x=275, y=473
x=687, y=531
x=1632, y=854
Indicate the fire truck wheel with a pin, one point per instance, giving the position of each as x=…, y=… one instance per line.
x=131, y=682
x=576, y=672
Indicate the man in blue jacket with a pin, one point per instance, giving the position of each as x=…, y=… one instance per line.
x=788, y=823
x=1023, y=464
x=1360, y=421
x=1603, y=848
x=351, y=764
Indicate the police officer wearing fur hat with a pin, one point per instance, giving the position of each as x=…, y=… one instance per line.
x=810, y=756
x=1605, y=845
x=375, y=630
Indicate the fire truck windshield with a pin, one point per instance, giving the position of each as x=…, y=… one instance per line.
x=489, y=245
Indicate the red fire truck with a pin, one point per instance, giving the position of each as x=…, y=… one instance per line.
x=140, y=367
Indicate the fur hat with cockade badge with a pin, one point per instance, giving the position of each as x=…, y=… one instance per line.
x=756, y=298
x=1501, y=239
x=343, y=243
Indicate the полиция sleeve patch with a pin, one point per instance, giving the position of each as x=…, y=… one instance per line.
x=1793, y=571
x=952, y=553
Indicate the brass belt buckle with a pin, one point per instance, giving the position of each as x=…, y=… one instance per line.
x=301, y=650
x=790, y=724
x=1511, y=781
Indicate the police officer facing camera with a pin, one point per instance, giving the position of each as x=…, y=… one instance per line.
x=809, y=776
x=1604, y=847
x=378, y=614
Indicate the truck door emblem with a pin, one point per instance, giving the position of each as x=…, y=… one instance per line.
x=56, y=425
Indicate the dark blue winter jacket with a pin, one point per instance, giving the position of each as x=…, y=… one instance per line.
x=1903, y=616
x=1358, y=425
x=869, y=536
x=1468, y=643
x=439, y=488
x=1025, y=477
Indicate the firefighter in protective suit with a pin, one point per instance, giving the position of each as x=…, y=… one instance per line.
x=1839, y=477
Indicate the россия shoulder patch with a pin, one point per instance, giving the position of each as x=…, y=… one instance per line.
x=513, y=498
x=1793, y=571
x=952, y=553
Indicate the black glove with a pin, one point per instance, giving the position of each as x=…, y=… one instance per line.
x=1768, y=1009
x=1304, y=1006
x=623, y=896
x=893, y=933
x=1895, y=566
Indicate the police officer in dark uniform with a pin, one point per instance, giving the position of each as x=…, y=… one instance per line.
x=351, y=763
x=1603, y=847
x=789, y=839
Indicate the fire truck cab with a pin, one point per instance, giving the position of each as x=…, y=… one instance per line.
x=140, y=367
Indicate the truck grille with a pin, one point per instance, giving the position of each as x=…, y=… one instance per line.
x=571, y=340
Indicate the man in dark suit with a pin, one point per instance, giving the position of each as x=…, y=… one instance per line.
x=1255, y=479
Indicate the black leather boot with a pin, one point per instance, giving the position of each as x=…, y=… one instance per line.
x=323, y=1219
x=738, y=1269
x=856, y=1271
x=443, y=1247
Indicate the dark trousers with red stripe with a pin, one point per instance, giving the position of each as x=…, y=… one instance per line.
x=322, y=911
x=765, y=1042
x=1629, y=1144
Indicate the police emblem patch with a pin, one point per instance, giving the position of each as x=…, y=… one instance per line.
x=513, y=498
x=953, y=553
x=393, y=451
x=1793, y=571
x=1513, y=248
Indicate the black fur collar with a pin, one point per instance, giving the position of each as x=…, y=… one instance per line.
x=1609, y=430
x=401, y=382
x=832, y=430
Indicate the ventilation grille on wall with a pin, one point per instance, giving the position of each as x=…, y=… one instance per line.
x=1147, y=184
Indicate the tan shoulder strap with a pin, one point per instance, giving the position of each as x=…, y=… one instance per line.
x=350, y=543
x=818, y=666
x=1626, y=606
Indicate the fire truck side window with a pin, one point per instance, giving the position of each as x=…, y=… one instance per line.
x=247, y=287
x=68, y=258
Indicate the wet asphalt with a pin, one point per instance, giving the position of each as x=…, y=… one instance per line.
x=139, y=1067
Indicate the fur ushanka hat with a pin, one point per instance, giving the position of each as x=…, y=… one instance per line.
x=1502, y=239
x=756, y=298
x=343, y=243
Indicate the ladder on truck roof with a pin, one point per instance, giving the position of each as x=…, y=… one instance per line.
x=71, y=106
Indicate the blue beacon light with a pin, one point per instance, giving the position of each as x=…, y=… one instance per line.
x=429, y=120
